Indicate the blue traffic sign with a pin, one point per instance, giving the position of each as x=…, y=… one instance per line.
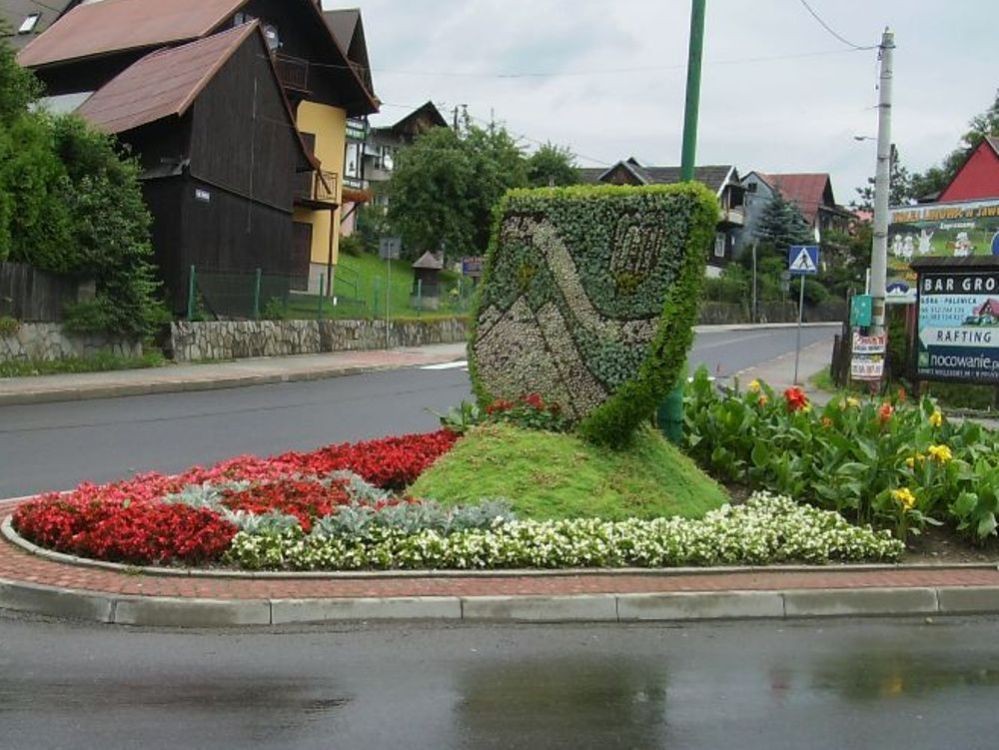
x=803, y=260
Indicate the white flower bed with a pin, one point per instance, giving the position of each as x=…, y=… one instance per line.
x=768, y=529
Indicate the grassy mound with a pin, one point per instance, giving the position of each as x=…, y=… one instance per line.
x=548, y=475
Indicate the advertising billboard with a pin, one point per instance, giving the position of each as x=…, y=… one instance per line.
x=949, y=230
x=958, y=325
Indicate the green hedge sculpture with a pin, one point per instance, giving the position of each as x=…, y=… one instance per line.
x=588, y=298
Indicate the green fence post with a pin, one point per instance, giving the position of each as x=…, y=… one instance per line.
x=256, y=297
x=377, y=292
x=419, y=298
x=669, y=416
x=190, y=294
x=322, y=281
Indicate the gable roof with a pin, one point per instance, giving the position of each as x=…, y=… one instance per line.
x=114, y=26
x=808, y=191
x=347, y=29
x=715, y=177
x=412, y=124
x=163, y=83
x=119, y=25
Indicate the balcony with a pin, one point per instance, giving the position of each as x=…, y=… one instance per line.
x=735, y=217
x=293, y=72
x=317, y=190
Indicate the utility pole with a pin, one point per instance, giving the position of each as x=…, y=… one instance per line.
x=693, y=90
x=879, y=248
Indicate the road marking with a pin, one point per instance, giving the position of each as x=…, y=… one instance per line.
x=447, y=365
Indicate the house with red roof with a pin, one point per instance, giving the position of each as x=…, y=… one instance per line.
x=978, y=177
x=811, y=192
x=238, y=110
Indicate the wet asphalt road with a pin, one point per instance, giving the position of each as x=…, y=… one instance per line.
x=56, y=446
x=835, y=684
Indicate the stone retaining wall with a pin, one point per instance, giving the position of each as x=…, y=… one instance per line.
x=213, y=340
x=50, y=341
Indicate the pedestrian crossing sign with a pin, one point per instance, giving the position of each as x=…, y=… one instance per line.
x=803, y=260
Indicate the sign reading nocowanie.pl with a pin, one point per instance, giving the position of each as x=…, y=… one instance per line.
x=958, y=330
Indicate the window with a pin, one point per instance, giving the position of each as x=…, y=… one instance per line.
x=271, y=35
x=751, y=187
x=719, y=245
x=29, y=24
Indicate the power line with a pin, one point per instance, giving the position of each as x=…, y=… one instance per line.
x=579, y=73
x=828, y=28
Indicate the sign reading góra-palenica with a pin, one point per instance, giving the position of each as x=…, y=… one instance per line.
x=958, y=330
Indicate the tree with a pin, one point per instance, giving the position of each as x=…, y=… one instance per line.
x=446, y=183
x=70, y=204
x=552, y=165
x=901, y=191
x=936, y=178
x=782, y=225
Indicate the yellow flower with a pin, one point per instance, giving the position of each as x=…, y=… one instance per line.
x=904, y=498
x=852, y=402
x=936, y=418
x=910, y=462
x=754, y=386
x=940, y=453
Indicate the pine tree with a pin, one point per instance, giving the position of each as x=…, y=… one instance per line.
x=782, y=225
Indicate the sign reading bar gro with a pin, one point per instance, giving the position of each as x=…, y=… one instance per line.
x=958, y=331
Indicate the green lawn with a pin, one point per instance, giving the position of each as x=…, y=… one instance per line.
x=549, y=475
x=360, y=283
x=102, y=362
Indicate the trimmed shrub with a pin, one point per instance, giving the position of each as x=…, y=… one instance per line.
x=588, y=298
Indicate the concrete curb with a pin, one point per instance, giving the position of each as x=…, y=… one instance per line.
x=8, y=532
x=172, y=612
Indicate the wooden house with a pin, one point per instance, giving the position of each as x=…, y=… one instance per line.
x=220, y=155
x=95, y=44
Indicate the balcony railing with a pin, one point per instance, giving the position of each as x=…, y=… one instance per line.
x=293, y=72
x=316, y=188
x=735, y=216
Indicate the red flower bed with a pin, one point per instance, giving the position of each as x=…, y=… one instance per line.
x=126, y=522
x=306, y=500
x=143, y=533
x=390, y=463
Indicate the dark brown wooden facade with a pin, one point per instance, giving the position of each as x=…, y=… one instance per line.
x=219, y=181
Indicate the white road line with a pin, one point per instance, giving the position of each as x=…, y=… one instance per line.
x=446, y=365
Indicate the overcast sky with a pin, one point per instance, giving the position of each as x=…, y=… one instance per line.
x=607, y=78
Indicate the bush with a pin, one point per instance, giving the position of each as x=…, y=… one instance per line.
x=352, y=244
x=887, y=462
x=588, y=300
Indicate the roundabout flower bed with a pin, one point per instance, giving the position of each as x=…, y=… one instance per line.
x=340, y=508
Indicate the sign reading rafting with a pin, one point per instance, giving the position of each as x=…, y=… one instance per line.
x=959, y=324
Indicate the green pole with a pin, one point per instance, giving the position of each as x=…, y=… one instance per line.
x=256, y=297
x=322, y=281
x=693, y=90
x=190, y=294
x=419, y=298
x=377, y=286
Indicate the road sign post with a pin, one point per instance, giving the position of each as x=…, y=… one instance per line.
x=802, y=261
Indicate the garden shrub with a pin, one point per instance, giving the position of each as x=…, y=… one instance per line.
x=588, y=299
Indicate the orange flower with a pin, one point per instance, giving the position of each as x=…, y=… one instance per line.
x=795, y=398
x=826, y=422
x=763, y=399
x=885, y=412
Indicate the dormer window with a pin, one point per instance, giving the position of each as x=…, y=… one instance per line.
x=29, y=24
